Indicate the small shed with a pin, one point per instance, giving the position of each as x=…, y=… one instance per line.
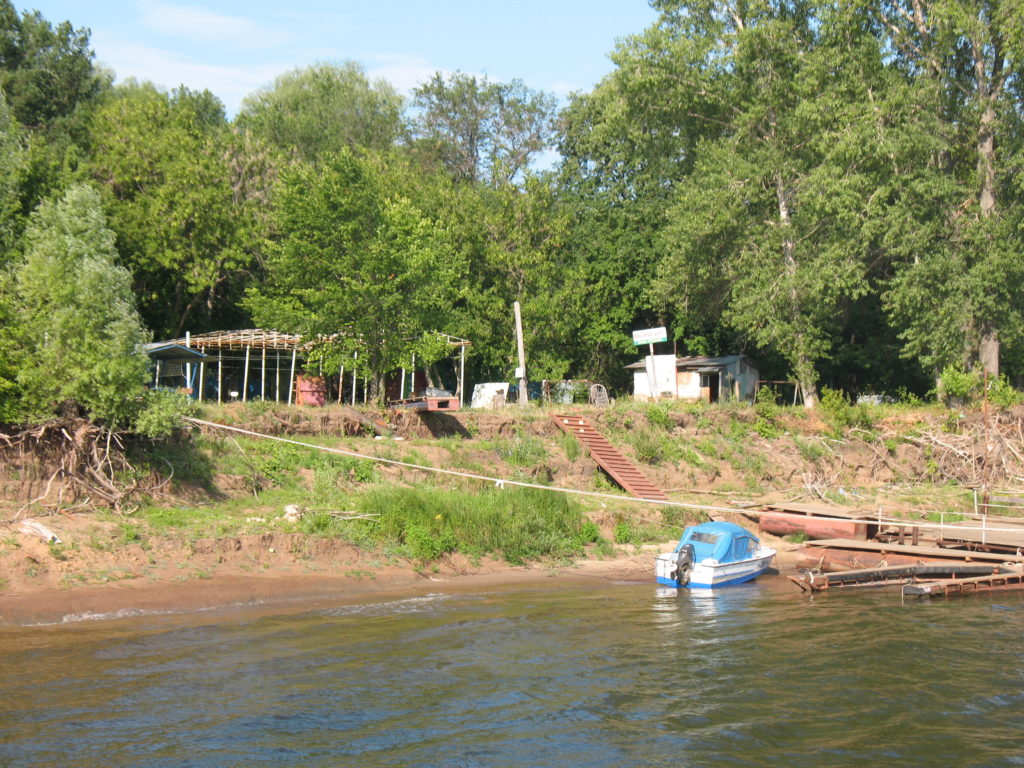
x=695, y=378
x=174, y=365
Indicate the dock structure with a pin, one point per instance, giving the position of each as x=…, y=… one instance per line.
x=867, y=578
x=620, y=469
x=817, y=521
x=992, y=533
x=833, y=555
x=948, y=587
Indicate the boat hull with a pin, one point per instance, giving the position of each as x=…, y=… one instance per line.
x=705, y=575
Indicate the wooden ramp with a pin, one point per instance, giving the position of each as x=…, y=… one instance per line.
x=622, y=470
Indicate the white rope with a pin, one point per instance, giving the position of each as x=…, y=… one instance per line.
x=499, y=482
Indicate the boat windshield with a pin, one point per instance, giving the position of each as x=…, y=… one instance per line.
x=704, y=538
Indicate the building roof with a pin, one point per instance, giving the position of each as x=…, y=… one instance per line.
x=258, y=338
x=163, y=351
x=697, y=362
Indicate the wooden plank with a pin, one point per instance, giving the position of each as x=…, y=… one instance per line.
x=910, y=549
x=822, y=510
x=619, y=468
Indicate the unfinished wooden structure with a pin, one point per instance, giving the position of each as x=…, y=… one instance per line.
x=259, y=364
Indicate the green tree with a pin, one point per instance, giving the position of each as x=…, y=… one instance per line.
x=353, y=263
x=482, y=131
x=750, y=135
x=45, y=71
x=959, y=298
x=13, y=167
x=187, y=198
x=79, y=331
x=321, y=109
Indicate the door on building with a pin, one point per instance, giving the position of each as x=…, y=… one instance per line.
x=709, y=387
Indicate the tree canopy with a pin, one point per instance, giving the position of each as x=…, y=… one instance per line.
x=831, y=186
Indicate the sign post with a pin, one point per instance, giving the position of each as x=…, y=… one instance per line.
x=521, y=370
x=650, y=337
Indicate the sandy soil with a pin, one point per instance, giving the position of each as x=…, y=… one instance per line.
x=293, y=586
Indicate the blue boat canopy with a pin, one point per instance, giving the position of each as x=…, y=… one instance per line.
x=724, y=542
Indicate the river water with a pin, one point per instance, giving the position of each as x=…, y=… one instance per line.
x=607, y=675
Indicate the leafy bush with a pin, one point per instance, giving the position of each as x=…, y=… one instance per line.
x=161, y=413
x=589, y=532
x=658, y=416
x=841, y=414
x=959, y=387
x=426, y=544
x=1002, y=394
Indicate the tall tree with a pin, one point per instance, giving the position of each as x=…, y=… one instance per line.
x=13, y=167
x=763, y=232
x=78, y=327
x=958, y=300
x=45, y=71
x=321, y=109
x=363, y=268
x=482, y=131
x=187, y=197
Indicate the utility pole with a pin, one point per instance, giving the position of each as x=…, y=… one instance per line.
x=521, y=370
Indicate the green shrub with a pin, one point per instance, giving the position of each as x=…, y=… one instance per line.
x=426, y=544
x=841, y=415
x=958, y=386
x=1002, y=394
x=653, y=447
x=589, y=532
x=658, y=416
x=161, y=413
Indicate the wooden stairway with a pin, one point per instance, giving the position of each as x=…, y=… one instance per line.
x=622, y=470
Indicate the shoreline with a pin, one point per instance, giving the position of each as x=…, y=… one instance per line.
x=289, y=592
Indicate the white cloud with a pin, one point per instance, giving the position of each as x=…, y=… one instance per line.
x=404, y=71
x=169, y=70
x=201, y=25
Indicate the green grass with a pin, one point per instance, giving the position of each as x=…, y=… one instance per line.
x=517, y=524
x=654, y=446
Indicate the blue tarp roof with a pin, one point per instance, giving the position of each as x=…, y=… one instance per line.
x=724, y=542
x=173, y=352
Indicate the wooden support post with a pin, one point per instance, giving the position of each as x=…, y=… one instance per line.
x=202, y=374
x=355, y=357
x=188, y=366
x=412, y=378
x=277, y=376
x=263, y=375
x=401, y=387
x=245, y=377
x=220, y=374
x=291, y=377
x=341, y=382
x=462, y=372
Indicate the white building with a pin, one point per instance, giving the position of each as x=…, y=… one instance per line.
x=694, y=379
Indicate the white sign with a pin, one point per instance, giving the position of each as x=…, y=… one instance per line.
x=649, y=336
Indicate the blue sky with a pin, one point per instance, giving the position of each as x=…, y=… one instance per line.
x=234, y=47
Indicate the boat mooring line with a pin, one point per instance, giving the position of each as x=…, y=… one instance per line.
x=503, y=482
